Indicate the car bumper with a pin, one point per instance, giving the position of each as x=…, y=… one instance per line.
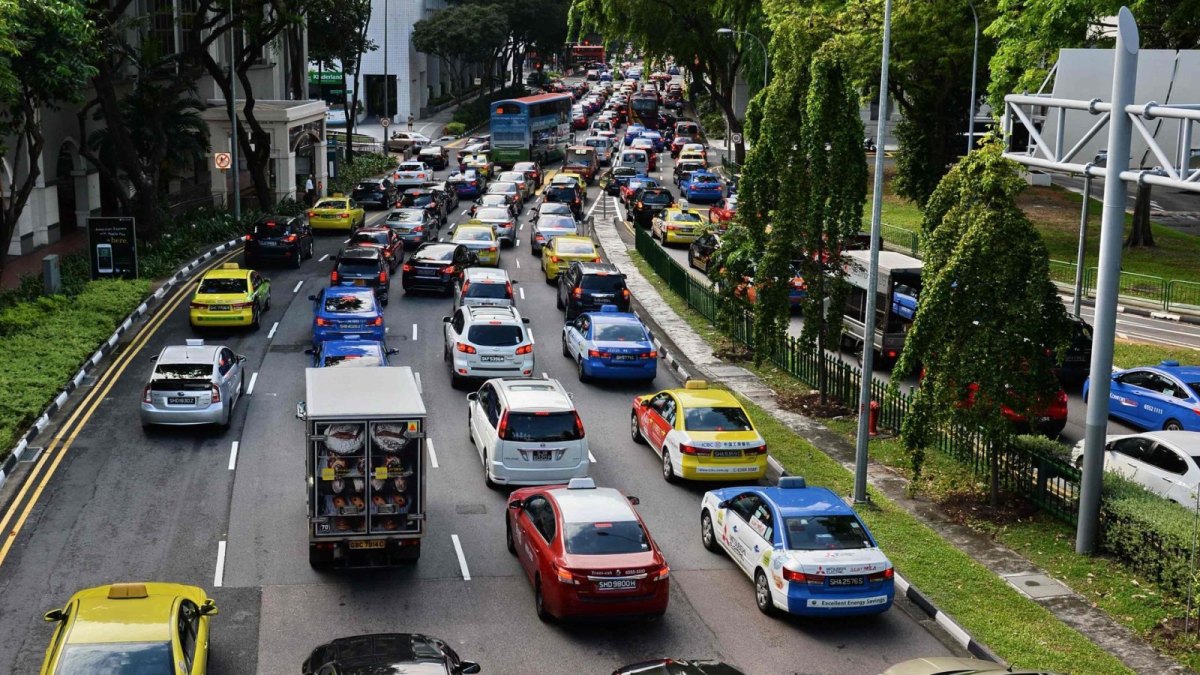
x=488, y=258
x=506, y=475
x=572, y=604
x=681, y=238
x=284, y=253
x=641, y=369
x=802, y=602
x=703, y=196
x=213, y=414
x=321, y=223
x=508, y=234
x=241, y=317
x=325, y=334
x=695, y=468
x=413, y=239
x=440, y=282
x=523, y=368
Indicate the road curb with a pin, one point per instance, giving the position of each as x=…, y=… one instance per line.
x=964, y=639
x=103, y=350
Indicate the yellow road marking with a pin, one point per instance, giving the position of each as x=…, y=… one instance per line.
x=95, y=397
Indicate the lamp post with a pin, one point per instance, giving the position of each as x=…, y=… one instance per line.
x=233, y=126
x=974, y=70
x=387, y=84
x=766, y=58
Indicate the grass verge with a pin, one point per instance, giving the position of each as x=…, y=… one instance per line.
x=1128, y=354
x=1018, y=629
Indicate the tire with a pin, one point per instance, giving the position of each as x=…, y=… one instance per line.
x=508, y=538
x=707, y=536
x=579, y=369
x=539, y=604
x=558, y=302
x=228, y=418
x=446, y=352
x=692, y=260
x=456, y=382
x=762, y=593
x=634, y=431
x=310, y=250
x=487, y=474
x=299, y=258
x=242, y=385
x=268, y=305
x=1172, y=425
x=668, y=471
x=566, y=352
x=255, y=319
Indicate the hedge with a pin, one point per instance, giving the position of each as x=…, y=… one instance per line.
x=455, y=129
x=365, y=165
x=1151, y=534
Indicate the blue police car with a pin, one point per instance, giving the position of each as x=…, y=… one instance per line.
x=1166, y=396
x=807, y=551
x=610, y=345
x=346, y=313
x=350, y=354
x=702, y=186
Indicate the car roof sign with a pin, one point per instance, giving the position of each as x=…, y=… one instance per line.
x=608, y=309
x=195, y=342
x=792, y=482
x=581, y=484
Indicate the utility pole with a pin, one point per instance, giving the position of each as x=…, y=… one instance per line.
x=235, y=168
x=387, y=80
x=974, y=72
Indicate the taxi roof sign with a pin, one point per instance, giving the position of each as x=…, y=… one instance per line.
x=609, y=309
x=231, y=266
x=127, y=591
x=792, y=482
x=581, y=484
x=696, y=384
x=195, y=342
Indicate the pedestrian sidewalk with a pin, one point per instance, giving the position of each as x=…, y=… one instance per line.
x=699, y=361
x=17, y=266
x=429, y=126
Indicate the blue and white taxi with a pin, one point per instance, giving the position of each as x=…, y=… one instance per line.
x=610, y=345
x=806, y=550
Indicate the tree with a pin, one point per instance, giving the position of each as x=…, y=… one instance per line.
x=462, y=34
x=338, y=38
x=987, y=313
x=45, y=60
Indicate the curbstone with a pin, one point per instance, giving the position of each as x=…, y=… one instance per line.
x=948, y=624
x=106, y=348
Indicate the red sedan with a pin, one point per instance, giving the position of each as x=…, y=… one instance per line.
x=383, y=238
x=720, y=215
x=586, y=552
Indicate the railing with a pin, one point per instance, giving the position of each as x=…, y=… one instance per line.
x=902, y=238
x=1183, y=295
x=1045, y=480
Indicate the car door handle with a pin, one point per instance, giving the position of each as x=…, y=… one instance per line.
x=735, y=528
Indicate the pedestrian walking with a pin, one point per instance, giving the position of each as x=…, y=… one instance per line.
x=310, y=190
x=410, y=122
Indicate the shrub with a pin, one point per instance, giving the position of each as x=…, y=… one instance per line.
x=1042, y=446
x=1149, y=533
x=455, y=129
x=365, y=165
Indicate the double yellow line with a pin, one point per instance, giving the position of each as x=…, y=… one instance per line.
x=70, y=429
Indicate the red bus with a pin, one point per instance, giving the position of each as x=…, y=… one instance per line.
x=583, y=56
x=643, y=109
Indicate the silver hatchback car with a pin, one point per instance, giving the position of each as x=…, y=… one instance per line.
x=484, y=287
x=193, y=384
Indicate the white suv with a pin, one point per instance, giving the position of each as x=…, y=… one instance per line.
x=527, y=432
x=487, y=342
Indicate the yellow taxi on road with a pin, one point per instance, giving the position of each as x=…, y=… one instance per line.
x=337, y=213
x=677, y=225
x=230, y=296
x=570, y=177
x=479, y=238
x=478, y=161
x=700, y=434
x=563, y=250
x=135, y=628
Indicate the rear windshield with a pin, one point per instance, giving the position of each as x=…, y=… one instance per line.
x=185, y=376
x=539, y=427
x=271, y=228
x=364, y=358
x=411, y=166
x=555, y=222
x=417, y=200
x=656, y=197
x=439, y=254
x=811, y=533
x=716, y=419
x=128, y=658
x=217, y=286
x=619, y=332
x=369, y=186
x=332, y=204
x=405, y=217
x=358, y=265
x=350, y=303
x=550, y=208
x=487, y=335
x=704, y=178
x=472, y=234
x=633, y=157
x=576, y=247
x=482, y=290
x=688, y=217
x=561, y=192
x=492, y=213
x=611, y=538
x=380, y=238
x=603, y=282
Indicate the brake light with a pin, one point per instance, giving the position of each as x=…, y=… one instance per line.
x=406, y=268
x=491, y=249
x=474, y=183
x=539, y=237
x=464, y=348
x=597, y=354
x=650, y=355
x=197, y=305
x=596, y=259
x=578, y=293
x=146, y=394
x=566, y=576
x=383, y=277
x=241, y=305
x=640, y=205
x=625, y=293
x=448, y=269
x=579, y=425
x=311, y=214
x=289, y=239
x=333, y=277
x=760, y=450
x=524, y=349
x=885, y=575
x=502, y=428
x=508, y=289
x=555, y=259
x=419, y=228
x=802, y=578
x=694, y=451
x=216, y=393
x=324, y=322
x=343, y=215
x=662, y=573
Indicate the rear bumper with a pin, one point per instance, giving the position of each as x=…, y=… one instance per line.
x=200, y=317
x=524, y=368
x=440, y=283
x=695, y=468
x=642, y=369
x=874, y=601
x=272, y=252
x=323, y=334
x=319, y=223
x=508, y=475
x=572, y=604
x=213, y=414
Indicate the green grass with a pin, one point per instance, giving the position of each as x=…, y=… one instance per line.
x=1129, y=354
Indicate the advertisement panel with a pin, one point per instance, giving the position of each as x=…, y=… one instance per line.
x=112, y=248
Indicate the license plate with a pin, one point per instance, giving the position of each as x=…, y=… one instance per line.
x=219, y=308
x=616, y=585
x=360, y=282
x=373, y=543
x=542, y=455
x=491, y=358
x=181, y=400
x=427, y=273
x=846, y=581
x=624, y=357
x=727, y=453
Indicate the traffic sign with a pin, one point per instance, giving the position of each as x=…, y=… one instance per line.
x=736, y=138
x=384, y=122
x=222, y=160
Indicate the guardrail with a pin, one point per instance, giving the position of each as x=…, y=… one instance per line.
x=1184, y=295
x=898, y=236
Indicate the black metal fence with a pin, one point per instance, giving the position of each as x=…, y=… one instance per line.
x=1046, y=480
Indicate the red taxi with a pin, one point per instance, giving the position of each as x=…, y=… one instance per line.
x=586, y=552
x=383, y=238
x=720, y=215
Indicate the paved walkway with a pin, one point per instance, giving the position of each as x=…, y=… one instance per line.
x=698, y=359
x=17, y=266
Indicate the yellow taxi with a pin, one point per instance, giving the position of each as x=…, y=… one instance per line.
x=230, y=296
x=700, y=434
x=136, y=628
x=693, y=155
x=479, y=162
x=479, y=238
x=677, y=225
x=563, y=250
x=337, y=213
x=568, y=178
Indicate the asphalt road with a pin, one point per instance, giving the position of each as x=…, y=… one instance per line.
x=124, y=505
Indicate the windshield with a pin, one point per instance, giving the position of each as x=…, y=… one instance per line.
x=656, y=197
x=473, y=234
x=422, y=199
x=716, y=419
x=556, y=223
x=346, y=303
x=624, y=171
x=512, y=177
x=550, y=208
x=411, y=166
x=502, y=188
x=116, y=658
x=488, y=335
x=434, y=254
x=543, y=427
x=812, y=533
x=185, y=376
x=603, y=282
x=612, y=538
x=619, y=332
x=369, y=187
x=358, y=265
x=492, y=213
x=271, y=228
x=218, y=286
x=487, y=290
x=575, y=247
x=331, y=204
x=560, y=192
x=704, y=178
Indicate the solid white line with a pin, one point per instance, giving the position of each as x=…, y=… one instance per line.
x=323, y=258
x=274, y=327
x=220, y=575
x=345, y=241
x=518, y=261
x=517, y=243
x=253, y=379
x=298, y=285
x=591, y=457
x=521, y=227
x=233, y=449
x=462, y=559
x=414, y=332
x=432, y=453
x=522, y=290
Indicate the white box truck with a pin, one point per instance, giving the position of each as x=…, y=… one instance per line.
x=898, y=287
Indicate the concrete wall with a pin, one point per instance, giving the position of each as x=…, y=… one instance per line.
x=413, y=71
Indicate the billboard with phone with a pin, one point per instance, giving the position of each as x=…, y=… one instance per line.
x=112, y=247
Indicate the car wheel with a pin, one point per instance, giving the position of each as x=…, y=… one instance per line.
x=692, y=259
x=255, y=320
x=707, y=536
x=310, y=249
x=539, y=602
x=762, y=593
x=634, y=431
x=583, y=376
x=268, y=305
x=1172, y=425
x=668, y=471
x=228, y=418
x=558, y=302
x=1079, y=462
x=445, y=352
x=566, y=352
x=298, y=257
x=456, y=382
x=508, y=537
x=384, y=300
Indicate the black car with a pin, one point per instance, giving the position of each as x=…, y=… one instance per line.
x=678, y=667
x=586, y=287
x=386, y=653
x=649, y=202
x=435, y=156
x=363, y=267
x=424, y=198
x=617, y=177
x=565, y=194
x=448, y=195
x=436, y=266
x=701, y=251
x=1077, y=362
x=284, y=238
x=378, y=192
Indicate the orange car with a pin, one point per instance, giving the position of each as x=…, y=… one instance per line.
x=796, y=293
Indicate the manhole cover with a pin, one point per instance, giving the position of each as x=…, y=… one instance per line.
x=470, y=509
x=32, y=453
x=1038, y=585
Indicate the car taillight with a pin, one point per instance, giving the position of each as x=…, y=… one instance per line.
x=247, y=238
x=694, y=451
x=464, y=348
x=625, y=293
x=333, y=277
x=578, y=293
x=508, y=289
x=383, y=277
x=802, y=578
x=406, y=267
x=197, y=305
x=596, y=259
x=216, y=393
x=241, y=305
x=502, y=428
x=524, y=349
x=597, y=354
x=419, y=228
x=579, y=425
x=323, y=322
x=760, y=450
x=146, y=394
x=491, y=249
x=377, y=321
x=661, y=574
x=640, y=205
x=882, y=576
x=566, y=576
x=555, y=259
x=311, y=214
x=289, y=239
x=448, y=269
x=343, y=215
x=650, y=355
x=539, y=237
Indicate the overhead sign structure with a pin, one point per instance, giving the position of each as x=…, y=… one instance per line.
x=222, y=160
x=112, y=248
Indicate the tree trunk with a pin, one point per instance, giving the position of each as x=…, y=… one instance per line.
x=297, y=69
x=30, y=143
x=1140, y=234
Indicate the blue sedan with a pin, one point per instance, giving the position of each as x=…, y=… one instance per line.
x=610, y=345
x=350, y=354
x=656, y=138
x=342, y=313
x=1166, y=396
x=807, y=552
x=702, y=186
x=633, y=132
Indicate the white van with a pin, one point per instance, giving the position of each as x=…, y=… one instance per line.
x=635, y=159
x=527, y=432
x=603, y=146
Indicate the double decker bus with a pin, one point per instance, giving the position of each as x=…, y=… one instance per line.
x=531, y=128
x=584, y=55
x=643, y=109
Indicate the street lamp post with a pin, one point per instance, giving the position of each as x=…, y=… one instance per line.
x=766, y=58
x=387, y=84
x=233, y=126
x=974, y=70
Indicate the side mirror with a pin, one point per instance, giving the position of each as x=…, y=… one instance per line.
x=241, y=359
x=313, y=298
x=634, y=500
x=473, y=396
x=209, y=608
x=645, y=403
x=468, y=667
x=302, y=410
x=516, y=504
x=524, y=319
x=310, y=351
x=391, y=350
x=445, y=319
x=1115, y=376
x=55, y=615
x=723, y=504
